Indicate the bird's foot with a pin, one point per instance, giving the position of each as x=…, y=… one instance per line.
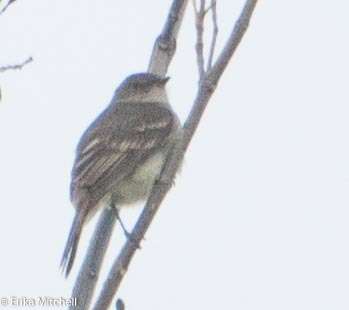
x=129, y=236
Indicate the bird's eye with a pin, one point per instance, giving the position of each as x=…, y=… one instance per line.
x=147, y=88
x=141, y=88
x=134, y=87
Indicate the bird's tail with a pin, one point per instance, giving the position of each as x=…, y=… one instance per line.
x=72, y=242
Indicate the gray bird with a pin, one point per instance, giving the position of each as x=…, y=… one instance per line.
x=121, y=153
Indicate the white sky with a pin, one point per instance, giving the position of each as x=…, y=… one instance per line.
x=259, y=216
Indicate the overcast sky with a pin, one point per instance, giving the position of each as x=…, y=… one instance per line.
x=259, y=216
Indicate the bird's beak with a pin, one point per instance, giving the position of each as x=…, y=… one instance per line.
x=165, y=80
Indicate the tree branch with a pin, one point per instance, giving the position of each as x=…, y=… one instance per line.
x=212, y=77
x=235, y=37
x=13, y=67
x=120, y=305
x=88, y=275
x=121, y=264
x=6, y=6
x=163, y=52
x=199, y=26
x=160, y=189
x=17, y=66
x=165, y=45
x=213, y=8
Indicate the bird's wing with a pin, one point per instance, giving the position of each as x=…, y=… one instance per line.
x=116, y=144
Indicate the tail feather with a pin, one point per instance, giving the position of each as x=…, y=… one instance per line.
x=72, y=243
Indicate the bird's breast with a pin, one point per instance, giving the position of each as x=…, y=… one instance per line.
x=150, y=169
x=139, y=185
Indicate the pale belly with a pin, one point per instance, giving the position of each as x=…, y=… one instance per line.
x=139, y=186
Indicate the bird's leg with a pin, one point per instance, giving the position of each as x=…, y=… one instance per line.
x=128, y=235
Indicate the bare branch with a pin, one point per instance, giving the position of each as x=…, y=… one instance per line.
x=160, y=188
x=199, y=46
x=120, y=305
x=213, y=8
x=17, y=66
x=6, y=6
x=14, y=67
x=165, y=45
x=122, y=262
x=212, y=77
x=235, y=37
x=89, y=272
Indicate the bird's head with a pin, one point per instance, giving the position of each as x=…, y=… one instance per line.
x=143, y=87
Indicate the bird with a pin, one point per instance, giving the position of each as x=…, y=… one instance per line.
x=121, y=154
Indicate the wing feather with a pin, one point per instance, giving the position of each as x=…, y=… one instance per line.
x=116, y=143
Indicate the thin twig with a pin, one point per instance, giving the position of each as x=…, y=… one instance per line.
x=120, y=305
x=17, y=66
x=14, y=67
x=199, y=26
x=234, y=39
x=212, y=77
x=160, y=189
x=213, y=8
x=6, y=6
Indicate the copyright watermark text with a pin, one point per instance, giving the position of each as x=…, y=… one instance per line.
x=41, y=301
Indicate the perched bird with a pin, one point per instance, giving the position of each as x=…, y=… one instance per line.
x=121, y=154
